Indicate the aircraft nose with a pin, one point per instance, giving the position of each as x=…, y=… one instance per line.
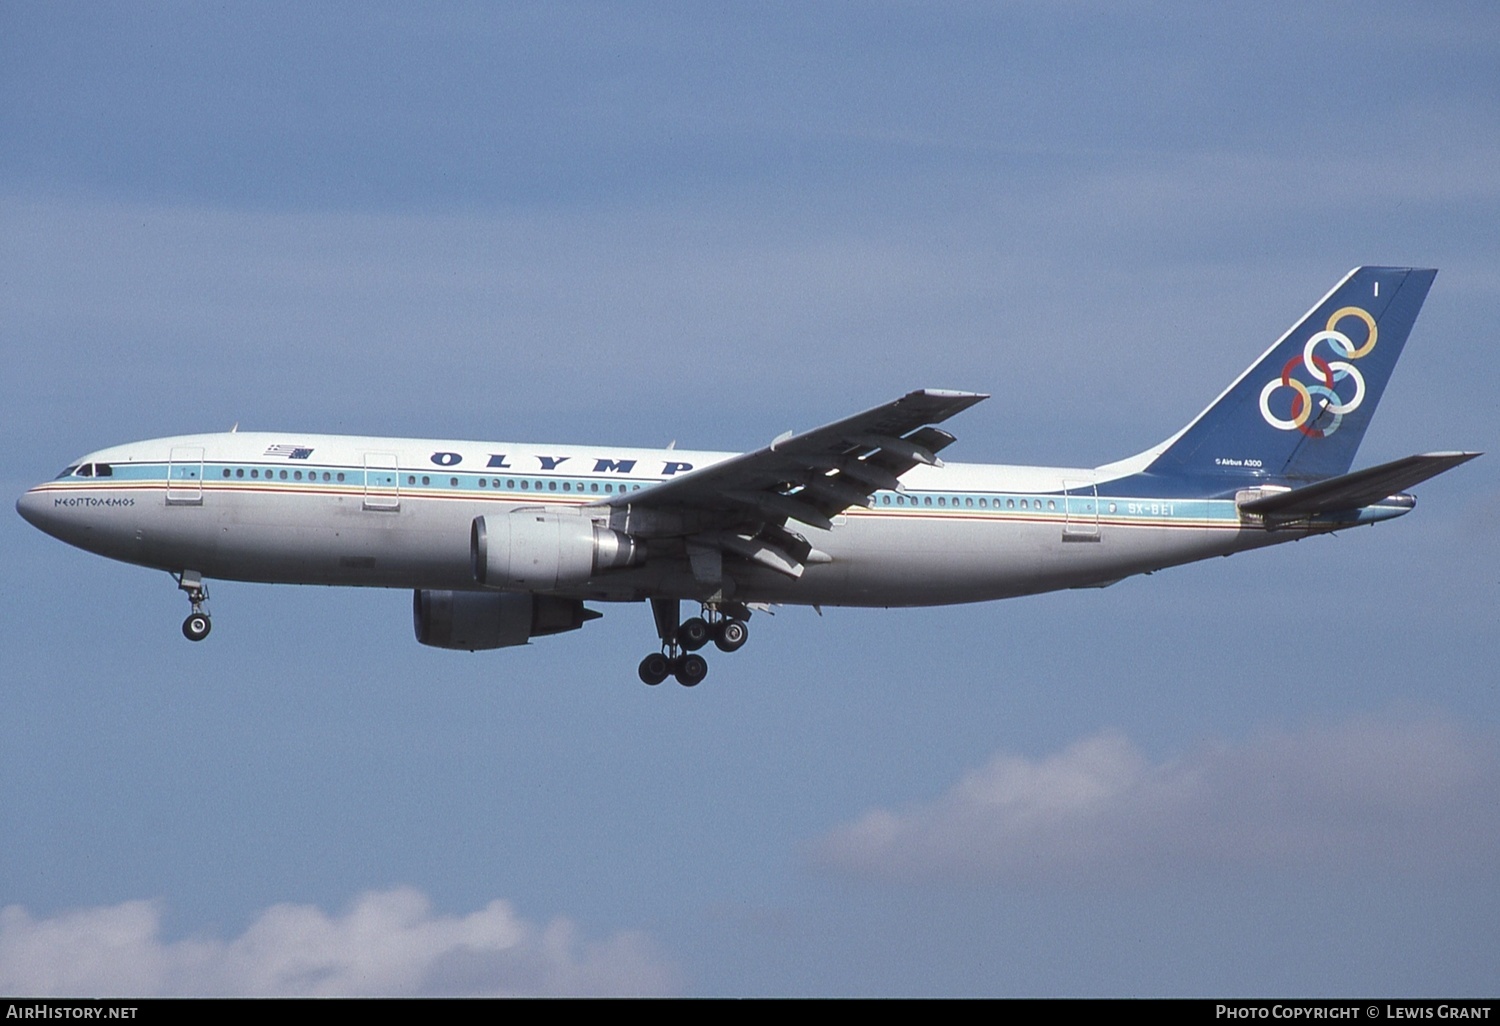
x=33, y=509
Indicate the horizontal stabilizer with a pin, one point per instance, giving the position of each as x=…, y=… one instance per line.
x=1356, y=490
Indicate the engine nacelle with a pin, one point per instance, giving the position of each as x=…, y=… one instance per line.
x=472, y=620
x=541, y=548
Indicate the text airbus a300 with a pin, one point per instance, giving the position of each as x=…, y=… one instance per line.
x=501, y=543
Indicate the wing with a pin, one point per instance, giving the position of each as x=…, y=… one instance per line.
x=740, y=507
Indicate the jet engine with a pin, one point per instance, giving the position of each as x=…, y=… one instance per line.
x=541, y=548
x=472, y=620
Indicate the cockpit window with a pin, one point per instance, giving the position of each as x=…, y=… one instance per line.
x=88, y=470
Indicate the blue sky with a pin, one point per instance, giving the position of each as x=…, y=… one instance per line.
x=632, y=225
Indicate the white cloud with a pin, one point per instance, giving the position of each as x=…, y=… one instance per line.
x=386, y=943
x=1417, y=797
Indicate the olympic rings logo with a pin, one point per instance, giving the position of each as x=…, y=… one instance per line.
x=1326, y=374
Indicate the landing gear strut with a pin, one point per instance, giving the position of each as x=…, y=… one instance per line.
x=681, y=639
x=198, y=623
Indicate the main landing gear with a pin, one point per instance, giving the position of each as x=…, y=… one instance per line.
x=689, y=668
x=680, y=642
x=198, y=623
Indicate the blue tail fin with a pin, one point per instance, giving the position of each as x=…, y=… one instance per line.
x=1300, y=412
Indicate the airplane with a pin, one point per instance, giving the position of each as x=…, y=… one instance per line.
x=501, y=543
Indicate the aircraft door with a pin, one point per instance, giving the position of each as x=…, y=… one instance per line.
x=185, y=476
x=1080, y=511
x=382, y=482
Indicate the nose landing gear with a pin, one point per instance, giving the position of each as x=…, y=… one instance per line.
x=196, y=626
x=680, y=641
x=198, y=623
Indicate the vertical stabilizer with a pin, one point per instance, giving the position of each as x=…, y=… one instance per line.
x=1300, y=411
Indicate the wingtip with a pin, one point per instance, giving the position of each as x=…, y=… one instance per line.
x=949, y=393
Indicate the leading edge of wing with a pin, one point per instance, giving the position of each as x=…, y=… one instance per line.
x=822, y=471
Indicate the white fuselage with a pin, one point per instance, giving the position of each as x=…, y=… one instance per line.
x=387, y=512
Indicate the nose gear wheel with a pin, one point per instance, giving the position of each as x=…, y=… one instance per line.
x=198, y=623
